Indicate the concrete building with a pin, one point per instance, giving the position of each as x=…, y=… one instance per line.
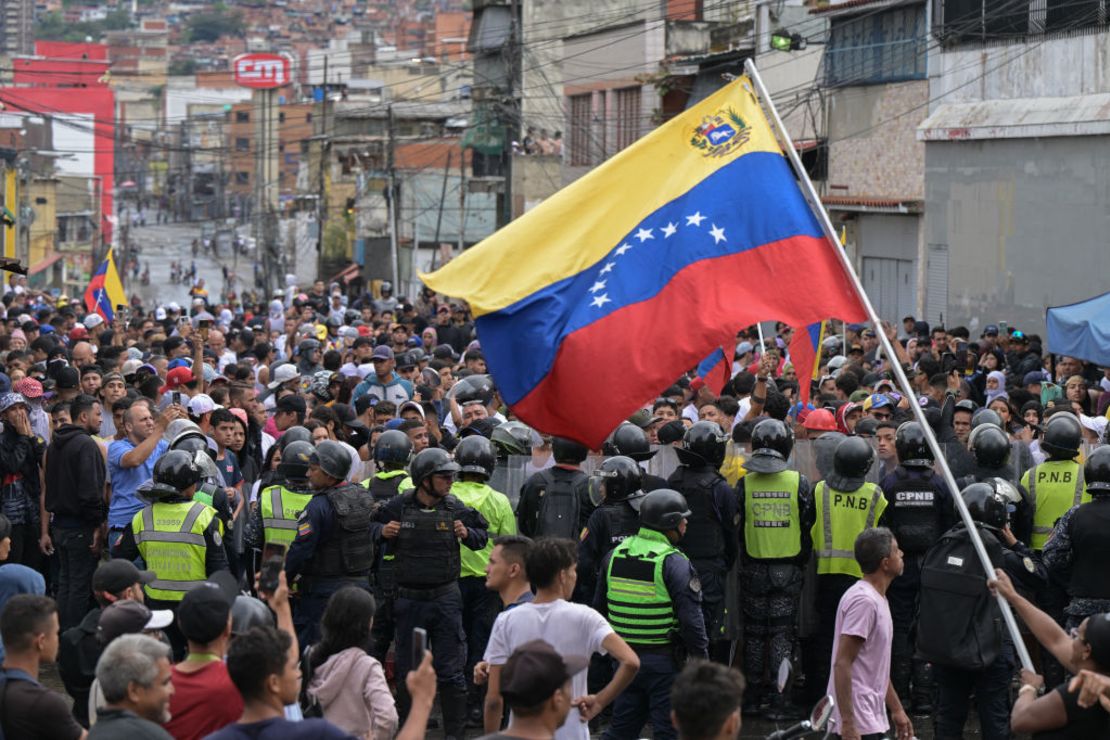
x=17, y=19
x=294, y=129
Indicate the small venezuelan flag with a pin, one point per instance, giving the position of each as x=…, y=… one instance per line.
x=805, y=351
x=105, y=290
x=595, y=300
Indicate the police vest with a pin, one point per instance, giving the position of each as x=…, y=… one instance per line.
x=280, y=509
x=621, y=521
x=1054, y=486
x=841, y=516
x=348, y=552
x=704, y=539
x=170, y=537
x=387, y=484
x=639, y=605
x=772, y=526
x=1089, y=527
x=427, y=550
x=914, y=512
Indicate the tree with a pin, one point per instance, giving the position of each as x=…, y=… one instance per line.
x=183, y=67
x=208, y=26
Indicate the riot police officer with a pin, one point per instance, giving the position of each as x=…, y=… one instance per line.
x=710, y=540
x=957, y=677
x=1056, y=485
x=279, y=506
x=990, y=449
x=651, y=596
x=845, y=506
x=180, y=539
x=426, y=526
x=630, y=440
x=617, y=485
x=332, y=548
x=555, y=502
x=919, y=510
x=476, y=460
x=391, y=456
x=1078, y=552
x=289, y=436
x=776, y=516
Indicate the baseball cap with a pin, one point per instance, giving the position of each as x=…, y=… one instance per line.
x=283, y=374
x=28, y=388
x=202, y=404
x=1098, y=638
x=179, y=362
x=67, y=377
x=93, y=320
x=129, y=618
x=78, y=332
x=382, y=352
x=109, y=377
x=8, y=400
x=203, y=612
x=411, y=405
x=115, y=575
x=1036, y=376
x=877, y=400
x=990, y=330
x=535, y=671
x=176, y=378
x=643, y=419
x=445, y=352
x=744, y=348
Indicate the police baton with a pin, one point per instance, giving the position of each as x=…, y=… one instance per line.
x=900, y=374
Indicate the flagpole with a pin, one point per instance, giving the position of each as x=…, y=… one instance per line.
x=903, y=381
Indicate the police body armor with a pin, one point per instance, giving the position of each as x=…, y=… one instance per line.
x=703, y=540
x=622, y=522
x=913, y=511
x=427, y=547
x=772, y=518
x=349, y=552
x=1089, y=528
x=841, y=516
x=386, y=484
x=280, y=509
x=1054, y=486
x=170, y=537
x=639, y=605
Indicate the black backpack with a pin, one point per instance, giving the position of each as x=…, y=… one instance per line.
x=958, y=622
x=559, y=507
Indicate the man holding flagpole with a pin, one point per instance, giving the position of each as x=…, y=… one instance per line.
x=105, y=292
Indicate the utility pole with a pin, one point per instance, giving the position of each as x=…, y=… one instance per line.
x=439, y=215
x=510, y=111
x=321, y=199
x=391, y=201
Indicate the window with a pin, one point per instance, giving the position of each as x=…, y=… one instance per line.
x=308, y=117
x=970, y=21
x=304, y=147
x=886, y=47
x=242, y=178
x=626, y=127
x=281, y=116
x=581, y=113
x=242, y=116
x=242, y=144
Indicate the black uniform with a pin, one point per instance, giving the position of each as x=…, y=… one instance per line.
x=608, y=526
x=919, y=510
x=427, y=568
x=383, y=487
x=1076, y=555
x=531, y=506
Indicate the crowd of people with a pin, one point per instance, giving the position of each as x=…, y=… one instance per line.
x=300, y=519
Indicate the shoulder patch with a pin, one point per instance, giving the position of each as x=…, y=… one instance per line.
x=217, y=540
x=695, y=585
x=1029, y=566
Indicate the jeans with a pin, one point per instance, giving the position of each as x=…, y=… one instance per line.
x=991, y=687
x=647, y=697
x=75, y=577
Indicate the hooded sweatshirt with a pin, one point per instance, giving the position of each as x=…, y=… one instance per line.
x=351, y=689
x=75, y=474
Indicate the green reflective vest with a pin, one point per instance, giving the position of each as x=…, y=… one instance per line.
x=640, y=607
x=772, y=527
x=280, y=509
x=170, y=537
x=498, y=512
x=386, y=475
x=1054, y=486
x=841, y=516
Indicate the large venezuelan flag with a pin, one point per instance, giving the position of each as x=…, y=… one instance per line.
x=592, y=302
x=105, y=290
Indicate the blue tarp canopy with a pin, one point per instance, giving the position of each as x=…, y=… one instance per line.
x=1081, y=330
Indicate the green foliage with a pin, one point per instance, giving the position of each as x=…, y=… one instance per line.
x=52, y=27
x=336, y=242
x=207, y=26
x=183, y=67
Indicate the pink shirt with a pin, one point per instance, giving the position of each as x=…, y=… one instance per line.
x=865, y=613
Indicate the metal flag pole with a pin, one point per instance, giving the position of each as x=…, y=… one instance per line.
x=903, y=381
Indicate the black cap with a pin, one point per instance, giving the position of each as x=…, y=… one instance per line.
x=115, y=575
x=535, y=671
x=1098, y=638
x=292, y=402
x=202, y=614
x=129, y=618
x=66, y=378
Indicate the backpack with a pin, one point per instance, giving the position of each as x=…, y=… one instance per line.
x=559, y=507
x=958, y=622
x=5, y=677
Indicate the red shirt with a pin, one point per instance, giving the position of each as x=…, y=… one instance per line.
x=203, y=701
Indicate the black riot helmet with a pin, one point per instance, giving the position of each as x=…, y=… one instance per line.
x=294, y=461
x=1096, y=471
x=1062, y=436
x=703, y=444
x=473, y=388
x=513, y=438
x=332, y=458
x=475, y=454
x=912, y=446
x=990, y=446
x=430, y=462
x=985, y=416
x=294, y=434
x=663, y=510
x=772, y=443
x=568, y=451
x=173, y=473
x=622, y=476
x=629, y=440
x=393, y=449
x=985, y=505
x=851, y=461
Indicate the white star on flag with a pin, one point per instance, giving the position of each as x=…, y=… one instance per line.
x=717, y=233
x=599, y=285
x=643, y=235
x=622, y=249
x=695, y=220
x=608, y=267
x=669, y=230
x=601, y=300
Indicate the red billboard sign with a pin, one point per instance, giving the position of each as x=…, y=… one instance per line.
x=262, y=71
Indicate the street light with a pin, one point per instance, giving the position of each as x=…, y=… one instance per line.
x=785, y=41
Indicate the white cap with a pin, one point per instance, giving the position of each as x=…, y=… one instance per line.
x=283, y=374
x=159, y=619
x=202, y=404
x=131, y=366
x=160, y=314
x=93, y=320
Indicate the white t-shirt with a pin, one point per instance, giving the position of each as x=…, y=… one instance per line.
x=572, y=629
